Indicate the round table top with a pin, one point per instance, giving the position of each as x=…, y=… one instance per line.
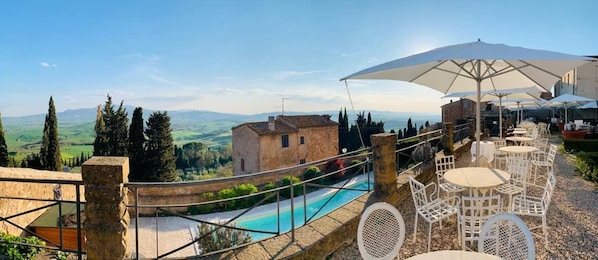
x=518, y=149
x=453, y=254
x=519, y=129
x=519, y=132
x=477, y=177
x=519, y=139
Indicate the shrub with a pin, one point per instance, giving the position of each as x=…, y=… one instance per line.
x=312, y=172
x=336, y=166
x=297, y=189
x=587, y=165
x=583, y=145
x=218, y=238
x=245, y=189
x=14, y=251
x=227, y=194
x=357, y=169
x=270, y=186
x=202, y=209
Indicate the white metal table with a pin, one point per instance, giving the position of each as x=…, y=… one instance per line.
x=454, y=255
x=477, y=179
x=519, y=140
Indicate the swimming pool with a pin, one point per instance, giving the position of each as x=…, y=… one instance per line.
x=269, y=221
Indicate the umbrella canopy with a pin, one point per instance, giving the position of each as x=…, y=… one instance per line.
x=520, y=104
x=489, y=95
x=567, y=100
x=476, y=66
x=590, y=105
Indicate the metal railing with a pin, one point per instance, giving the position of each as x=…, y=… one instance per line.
x=359, y=165
x=50, y=243
x=461, y=132
x=415, y=151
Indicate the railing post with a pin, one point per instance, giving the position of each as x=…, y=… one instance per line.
x=471, y=129
x=385, y=167
x=106, y=215
x=450, y=141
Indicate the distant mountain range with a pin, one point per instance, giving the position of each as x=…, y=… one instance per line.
x=182, y=119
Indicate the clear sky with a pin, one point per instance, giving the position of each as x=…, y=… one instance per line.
x=245, y=56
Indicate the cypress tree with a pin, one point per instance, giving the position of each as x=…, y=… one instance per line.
x=50, y=149
x=160, y=149
x=100, y=144
x=119, y=139
x=136, y=146
x=3, y=148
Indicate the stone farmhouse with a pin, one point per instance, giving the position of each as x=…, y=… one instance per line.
x=282, y=142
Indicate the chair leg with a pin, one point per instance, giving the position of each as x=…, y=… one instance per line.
x=429, y=235
x=544, y=230
x=415, y=227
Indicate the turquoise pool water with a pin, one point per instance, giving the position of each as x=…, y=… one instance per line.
x=269, y=222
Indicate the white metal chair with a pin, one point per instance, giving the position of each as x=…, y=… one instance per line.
x=526, y=205
x=518, y=167
x=443, y=164
x=506, y=235
x=500, y=157
x=431, y=208
x=474, y=212
x=541, y=144
x=381, y=232
x=544, y=163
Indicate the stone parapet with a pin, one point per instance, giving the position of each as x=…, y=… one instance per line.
x=106, y=216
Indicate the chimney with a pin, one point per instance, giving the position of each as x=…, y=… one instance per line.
x=271, y=124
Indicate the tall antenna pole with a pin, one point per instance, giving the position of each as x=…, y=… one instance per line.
x=283, y=98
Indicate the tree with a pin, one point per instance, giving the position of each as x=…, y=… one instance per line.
x=100, y=144
x=111, y=131
x=50, y=149
x=160, y=149
x=136, y=146
x=119, y=132
x=3, y=148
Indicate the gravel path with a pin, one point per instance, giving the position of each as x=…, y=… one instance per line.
x=572, y=221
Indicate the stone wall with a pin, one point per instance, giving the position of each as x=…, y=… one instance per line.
x=9, y=207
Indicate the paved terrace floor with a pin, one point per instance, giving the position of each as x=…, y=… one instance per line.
x=572, y=221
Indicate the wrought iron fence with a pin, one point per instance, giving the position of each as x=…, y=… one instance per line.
x=48, y=235
x=416, y=151
x=299, y=192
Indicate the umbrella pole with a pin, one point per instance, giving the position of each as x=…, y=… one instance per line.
x=477, y=122
x=500, y=117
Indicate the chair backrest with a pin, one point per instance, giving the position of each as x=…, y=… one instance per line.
x=381, y=232
x=444, y=164
x=506, y=235
x=500, y=143
x=518, y=167
x=419, y=194
x=541, y=144
x=548, y=190
x=475, y=211
x=551, y=153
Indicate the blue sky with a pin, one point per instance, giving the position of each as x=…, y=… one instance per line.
x=245, y=56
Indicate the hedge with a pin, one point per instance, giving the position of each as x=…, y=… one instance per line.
x=581, y=145
x=587, y=165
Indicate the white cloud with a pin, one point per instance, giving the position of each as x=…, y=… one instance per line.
x=47, y=65
x=291, y=73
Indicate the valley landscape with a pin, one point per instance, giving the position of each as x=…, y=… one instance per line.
x=76, y=127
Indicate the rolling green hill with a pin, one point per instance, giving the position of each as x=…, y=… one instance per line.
x=76, y=127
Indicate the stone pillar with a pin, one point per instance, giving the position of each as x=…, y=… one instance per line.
x=450, y=141
x=471, y=129
x=385, y=167
x=106, y=216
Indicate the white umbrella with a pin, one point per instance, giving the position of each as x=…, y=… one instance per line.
x=489, y=95
x=567, y=100
x=520, y=104
x=476, y=66
x=590, y=105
